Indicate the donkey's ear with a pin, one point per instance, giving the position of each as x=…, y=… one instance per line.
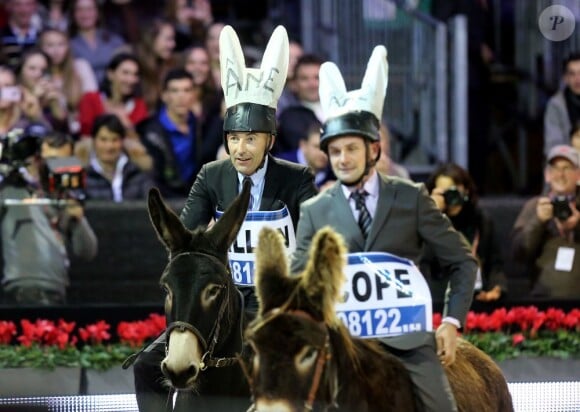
x=323, y=277
x=169, y=228
x=224, y=232
x=272, y=280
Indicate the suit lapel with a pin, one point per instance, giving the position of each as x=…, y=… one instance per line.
x=271, y=185
x=384, y=205
x=230, y=186
x=349, y=226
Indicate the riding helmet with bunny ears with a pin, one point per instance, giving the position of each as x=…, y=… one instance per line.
x=251, y=94
x=357, y=112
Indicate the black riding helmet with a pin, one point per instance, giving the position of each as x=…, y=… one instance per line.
x=357, y=123
x=249, y=117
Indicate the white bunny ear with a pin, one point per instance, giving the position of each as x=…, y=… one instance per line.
x=376, y=79
x=249, y=85
x=331, y=89
x=336, y=101
x=275, y=61
x=232, y=65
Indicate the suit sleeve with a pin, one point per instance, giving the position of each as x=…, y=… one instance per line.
x=307, y=187
x=452, y=251
x=304, y=234
x=197, y=210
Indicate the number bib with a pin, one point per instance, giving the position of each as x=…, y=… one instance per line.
x=241, y=253
x=384, y=295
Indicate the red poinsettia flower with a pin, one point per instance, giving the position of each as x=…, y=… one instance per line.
x=7, y=332
x=95, y=333
x=517, y=339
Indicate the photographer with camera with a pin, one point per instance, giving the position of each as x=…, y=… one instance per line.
x=41, y=220
x=546, y=234
x=455, y=194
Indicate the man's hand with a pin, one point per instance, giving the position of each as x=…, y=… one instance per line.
x=571, y=223
x=446, y=337
x=544, y=209
x=75, y=210
x=490, y=295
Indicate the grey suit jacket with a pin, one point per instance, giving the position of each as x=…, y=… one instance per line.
x=405, y=218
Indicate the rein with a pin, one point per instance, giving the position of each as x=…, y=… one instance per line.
x=207, y=360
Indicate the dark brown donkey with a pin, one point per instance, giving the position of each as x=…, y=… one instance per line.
x=305, y=358
x=203, y=307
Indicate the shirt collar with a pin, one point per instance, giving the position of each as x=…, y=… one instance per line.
x=371, y=186
x=167, y=122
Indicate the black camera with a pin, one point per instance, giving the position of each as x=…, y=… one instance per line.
x=453, y=197
x=16, y=147
x=66, y=178
x=561, y=207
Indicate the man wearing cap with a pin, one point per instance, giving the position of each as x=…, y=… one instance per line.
x=251, y=97
x=378, y=213
x=546, y=234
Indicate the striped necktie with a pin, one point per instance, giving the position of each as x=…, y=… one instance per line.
x=249, y=179
x=364, y=217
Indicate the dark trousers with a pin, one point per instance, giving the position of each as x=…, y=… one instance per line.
x=152, y=395
x=417, y=352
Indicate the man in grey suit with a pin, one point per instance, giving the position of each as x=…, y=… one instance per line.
x=397, y=217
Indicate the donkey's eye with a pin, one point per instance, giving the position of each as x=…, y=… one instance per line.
x=213, y=291
x=306, y=357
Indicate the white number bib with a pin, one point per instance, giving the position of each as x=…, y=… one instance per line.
x=241, y=253
x=385, y=295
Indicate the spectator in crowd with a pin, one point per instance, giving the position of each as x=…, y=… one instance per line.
x=575, y=136
x=54, y=14
x=546, y=234
x=18, y=108
x=294, y=120
x=118, y=95
x=386, y=164
x=155, y=55
x=288, y=97
x=212, y=46
x=72, y=76
x=309, y=154
x=208, y=100
x=36, y=240
x=35, y=78
x=21, y=33
x=171, y=136
x=88, y=40
x=110, y=173
x=563, y=108
x=190, y=20
x=455, y=194
x=248, y=131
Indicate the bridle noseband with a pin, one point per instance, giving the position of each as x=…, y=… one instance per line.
x=207, y=359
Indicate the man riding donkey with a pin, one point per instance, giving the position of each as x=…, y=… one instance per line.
x=278, y=187
x=378, y=213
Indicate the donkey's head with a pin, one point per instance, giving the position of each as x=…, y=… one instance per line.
x=290, y=337
x=201, y=302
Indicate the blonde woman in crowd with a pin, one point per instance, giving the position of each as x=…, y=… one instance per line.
x=155, y=54
x=74, y=77
x=36, y=81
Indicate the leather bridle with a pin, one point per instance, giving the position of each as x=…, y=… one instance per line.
x=322, y=360
x=207, y=359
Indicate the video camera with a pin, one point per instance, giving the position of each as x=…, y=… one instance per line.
x=453, y=197
x=65, y=178
x=561, y=207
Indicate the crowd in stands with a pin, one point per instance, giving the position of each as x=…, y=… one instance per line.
x=143, y=104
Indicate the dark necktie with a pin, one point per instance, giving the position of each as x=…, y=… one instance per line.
x=249, y=179
x=364, y=217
